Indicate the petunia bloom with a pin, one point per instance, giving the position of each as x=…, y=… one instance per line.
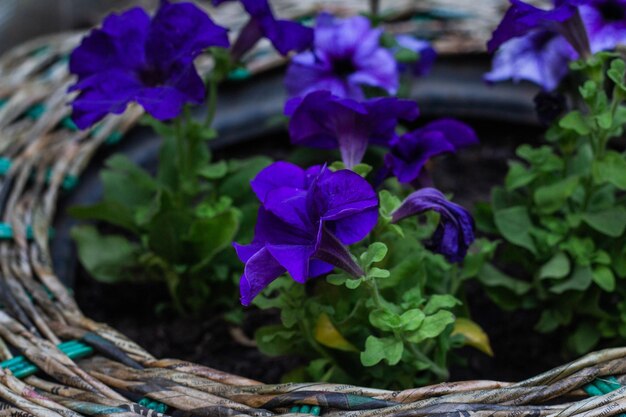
x=541, y=57
x=132, y=58
x=424, y=49
x=409, y=153
x=455, y=232
x=605, y=21
x=285, y=35
x=323, y=120
x=346, y=55
x=522, y=19
x=537, y=45
x=305, y=220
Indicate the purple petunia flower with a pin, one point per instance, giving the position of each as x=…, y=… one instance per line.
x=427, y=55
x=285, y=35
x=455, y=232
x=306, y=218
x=409, y=152
x=522, y=19
x=541, y=57
x=135, y=59
x=322, y=120
x=346, y=56
x=537, y=45
x=605, y=21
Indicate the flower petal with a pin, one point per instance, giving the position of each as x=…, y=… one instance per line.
x=119, y=44
x=101, y=94
x=180, y=32
x=260, y=270
x=455, y=232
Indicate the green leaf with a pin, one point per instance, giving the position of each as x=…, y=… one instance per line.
x=406, y=56
x=492, y=277
x=214, y=171
x=604, y=277
x=384, y=319
x=518, y=176
x=362, y=169
x=166, y=231
x=611, y=222
x=375, y=252
x=388, y=204
x=378, y=349
x=432, y=326
x=581, y=249
x=212, y=235
x=412, y=319
x=275, y=340
x=127, y=184
x=575, y=121
x=611, y=169
x=584, y=338
x=515, y=225
x=374, y=273
x=440, y=301
x=551, y=198
x=579, y=281
x=107, y=258
x=108, y=211
x=557, y=267
x=617, y=72
x=237, y=183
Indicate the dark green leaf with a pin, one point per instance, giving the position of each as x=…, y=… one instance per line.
x=551, y=198
x=515, y=225
x=604, y=277
x=611, y=169
x=378, y=349
x=491, y=277
x=108, y=211
x=611, y=222
x=107, y=258
x=578, y=281
x=557, y=267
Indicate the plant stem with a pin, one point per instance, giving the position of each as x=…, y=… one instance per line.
x=212, y=102
x=436, y=369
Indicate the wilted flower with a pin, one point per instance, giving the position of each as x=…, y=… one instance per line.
x=135, y=59
x=409, y=152
x=305, y=219
x=455, y=232
x=346, y=55
x=285, y=35
x=322, y=120
x=424, y=49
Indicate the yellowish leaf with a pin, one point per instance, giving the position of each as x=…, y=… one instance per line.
x=327, y=334
x=474, y=335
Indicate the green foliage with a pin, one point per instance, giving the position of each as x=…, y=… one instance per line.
x=175, y=227
x=562, y=217
x=391, y=328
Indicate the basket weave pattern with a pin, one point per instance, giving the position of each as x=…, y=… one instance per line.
x=42, y=154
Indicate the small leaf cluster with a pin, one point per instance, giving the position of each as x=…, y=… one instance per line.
x=395, y=327
x=562, y=216
x=172, y=227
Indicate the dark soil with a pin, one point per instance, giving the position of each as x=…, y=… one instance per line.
x=519, y=351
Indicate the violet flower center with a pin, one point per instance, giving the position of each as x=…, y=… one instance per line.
x=344, y=67
x=611, y=11
x=150, y=77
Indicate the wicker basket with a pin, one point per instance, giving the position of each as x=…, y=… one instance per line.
x=88, y=368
